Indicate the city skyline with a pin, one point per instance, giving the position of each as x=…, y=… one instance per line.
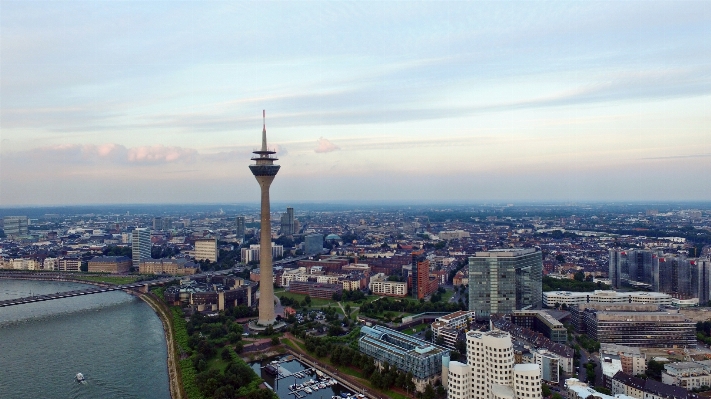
x=403, y=102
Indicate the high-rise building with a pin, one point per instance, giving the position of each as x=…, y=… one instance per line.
x=206, y=249
x=701, y=280
x=15, y=225
x=239, y=221
x=140, y=246
x=287, y=222
x=157, y=223
x=253, y=253
x=490, y=371
x=504, y=280
x=420, y=274
x=635, y=266
x=672, y=274
x=313, y=244
x=264, y=171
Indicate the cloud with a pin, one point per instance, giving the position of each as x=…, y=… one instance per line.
x=114, y=153
x=325, y=145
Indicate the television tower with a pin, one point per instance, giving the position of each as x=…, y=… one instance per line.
x=264, y=171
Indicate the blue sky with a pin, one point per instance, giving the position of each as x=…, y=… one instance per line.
x=141, y=102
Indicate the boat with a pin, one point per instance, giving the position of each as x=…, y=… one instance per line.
x=322, y=385
x=308, y=390
x=80, y=377
x=315, y=387
x=271, y=369
x=345, y=394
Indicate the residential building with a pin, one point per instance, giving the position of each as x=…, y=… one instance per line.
x=109, y=264
x=491, y=372
x=379, y=285
x=404, y=352
x=504, y=280
x=251, y=254
x=448, y=327
x=69, y=264
x=420, y=275
x=15, y=225
x=688, y=375
x=206, y=249
x=25, y=264
x=453, y=234
x=313, y=244
x=580, y=390
x=315, y=289
x=140, y=246
x=632, y=386
x=632, y=359
x=549, y=364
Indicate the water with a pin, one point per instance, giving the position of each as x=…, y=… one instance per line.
x=282, y=386
x=113, y=338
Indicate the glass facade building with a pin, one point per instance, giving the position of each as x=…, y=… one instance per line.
x=408, y=354
x=504, y=280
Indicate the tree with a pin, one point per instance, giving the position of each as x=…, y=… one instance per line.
x=275, y=341
x=545, y=390
x=428, y=334
x=307, y=300
x=579, y=276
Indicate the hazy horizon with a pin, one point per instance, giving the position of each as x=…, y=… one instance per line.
x=428, y=102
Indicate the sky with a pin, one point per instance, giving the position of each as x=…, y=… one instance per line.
x=161, y=102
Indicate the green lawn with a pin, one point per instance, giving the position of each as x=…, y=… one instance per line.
x=118, y=280
x=217, y=363
x=416, y=329
x=315, y=302
x=447, y=295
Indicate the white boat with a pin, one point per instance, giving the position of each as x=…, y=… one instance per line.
x=80, y=377
x=308, y=390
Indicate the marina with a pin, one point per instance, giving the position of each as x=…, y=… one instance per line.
x=289, y=378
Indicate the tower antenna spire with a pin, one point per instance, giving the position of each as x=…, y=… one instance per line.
x=264, y=130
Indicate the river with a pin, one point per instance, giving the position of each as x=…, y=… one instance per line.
x=113, y=338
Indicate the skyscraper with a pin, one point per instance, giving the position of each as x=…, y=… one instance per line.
x=15, y=225
x=140, y=246
x=264, y=171
x=504, y=280
x=240, y=227
x=287, y=222
x=420, y=274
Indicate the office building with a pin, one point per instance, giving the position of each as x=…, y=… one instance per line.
x=287, y=222
x=631, y=266
x=157, y=223
x=504, y=280
x=560, y=298
x=315, y=289
x=490, y=371
x=15, y=226
x=264, y=171
x=404, y=352
x=542, y=322
x=140, y=246
x=634, y=325
x=173, y=267
x=253, y=253
x=109, y=264
x=206, y=249
x=701, y=280
x=313, y=244
x=240, y=228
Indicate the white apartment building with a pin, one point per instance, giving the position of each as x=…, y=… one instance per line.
x=251, y=254
x=379, y=285
x=569, y=298
x=290, y=275
x=453, y=234
x=206, y=249
x=448, y=326
x=688, y=375
x=50, y=264
x=25, y=264
x=490, y=372
x=580, y=390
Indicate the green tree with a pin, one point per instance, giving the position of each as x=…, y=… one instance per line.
x=545, y=390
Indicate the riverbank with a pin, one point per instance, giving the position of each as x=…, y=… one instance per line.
x=174, y=377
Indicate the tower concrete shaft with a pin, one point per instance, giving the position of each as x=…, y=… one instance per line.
x=264, y=171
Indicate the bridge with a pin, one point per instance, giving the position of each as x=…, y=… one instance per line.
x=142, y=286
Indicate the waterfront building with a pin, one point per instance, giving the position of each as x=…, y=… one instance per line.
x=404, y=352
x=174, y=267
x=568, y=298
x=109, y=264
x=503, y=280
x=206, y=249
x=14, y=226
x=69, y=264
x=253, y=253
x=449, y=326
x=140, y=246
x=542, y=322
x=491, y=372
x=313, y=244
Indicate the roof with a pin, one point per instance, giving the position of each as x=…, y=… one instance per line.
x=110, y=259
